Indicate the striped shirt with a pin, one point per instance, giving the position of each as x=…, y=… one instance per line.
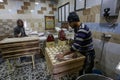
x=83, y=39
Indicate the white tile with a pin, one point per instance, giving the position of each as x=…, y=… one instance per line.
x=97, y=18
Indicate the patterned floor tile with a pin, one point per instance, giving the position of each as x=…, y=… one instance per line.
x=26, y=72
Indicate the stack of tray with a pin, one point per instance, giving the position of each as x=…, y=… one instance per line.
x=13, y=47
x=60, y=68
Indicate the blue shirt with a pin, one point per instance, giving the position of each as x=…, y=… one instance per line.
x=18, y=30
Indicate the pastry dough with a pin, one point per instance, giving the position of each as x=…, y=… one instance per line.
x=54, y=61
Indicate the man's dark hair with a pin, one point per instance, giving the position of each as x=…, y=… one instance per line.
x=73, y=17
x=19, y=20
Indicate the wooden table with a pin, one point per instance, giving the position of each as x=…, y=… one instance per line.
x=17, y=47
x=58, y=69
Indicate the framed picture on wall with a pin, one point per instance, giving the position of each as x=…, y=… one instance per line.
x=80, y=5
x=49, y=22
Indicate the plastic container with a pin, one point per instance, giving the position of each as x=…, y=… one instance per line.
x=93, y=77
x=62, y=35
x=50, y=38
x=97, y=71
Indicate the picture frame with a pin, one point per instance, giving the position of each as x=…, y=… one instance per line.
x=49, y=22
x=79, y=5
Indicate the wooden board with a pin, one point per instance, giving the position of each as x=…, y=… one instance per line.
x=15, y=47
x=50, y=44
x=18, y=43
x=20, y=50
x=14, y=40
x=19, y=54
x=62, y=42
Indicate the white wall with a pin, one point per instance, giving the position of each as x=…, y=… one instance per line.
x=110, y=57
x=90, y=3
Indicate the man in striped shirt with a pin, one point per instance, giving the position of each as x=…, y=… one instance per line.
x=82, y=42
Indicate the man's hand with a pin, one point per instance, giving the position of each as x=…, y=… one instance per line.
x=19, y=35
x=60, y=57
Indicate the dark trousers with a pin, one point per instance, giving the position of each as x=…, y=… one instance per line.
x=89, y=62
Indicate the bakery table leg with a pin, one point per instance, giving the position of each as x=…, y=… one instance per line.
x=33, y=61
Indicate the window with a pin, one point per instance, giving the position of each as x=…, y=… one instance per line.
x=63, y=12
x=1, y=0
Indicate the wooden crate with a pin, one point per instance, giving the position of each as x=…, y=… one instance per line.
x=50, y=44
x=17, y=47
x=62, y=42
x=59, y=69
x=11, y=47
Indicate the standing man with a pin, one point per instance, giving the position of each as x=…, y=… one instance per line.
x=82, y=42
x=19, y=30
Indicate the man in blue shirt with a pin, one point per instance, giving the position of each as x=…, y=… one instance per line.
x=82, y=42
x=19, y=30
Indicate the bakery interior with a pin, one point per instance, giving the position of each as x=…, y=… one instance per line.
x=33, y=57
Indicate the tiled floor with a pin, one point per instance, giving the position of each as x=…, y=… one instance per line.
x=26, y=72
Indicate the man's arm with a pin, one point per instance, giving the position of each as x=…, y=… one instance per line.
x=17, y=32
x=78, y=41
x=24, y=32
x=61, y=56
x=79, y=38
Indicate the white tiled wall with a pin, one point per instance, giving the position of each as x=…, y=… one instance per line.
x=90, y=3
x=33, y=19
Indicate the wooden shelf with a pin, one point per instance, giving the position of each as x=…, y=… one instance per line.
x=18, y=44
x=22, y=50
x=17, y=40
x=19, y=55
x=12, y=47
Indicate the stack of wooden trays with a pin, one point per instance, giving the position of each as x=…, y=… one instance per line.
x=61, y=68
x=13, y=47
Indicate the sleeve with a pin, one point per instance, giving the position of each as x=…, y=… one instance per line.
x=78, y=41
x=25, y=32
x=16, y=32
